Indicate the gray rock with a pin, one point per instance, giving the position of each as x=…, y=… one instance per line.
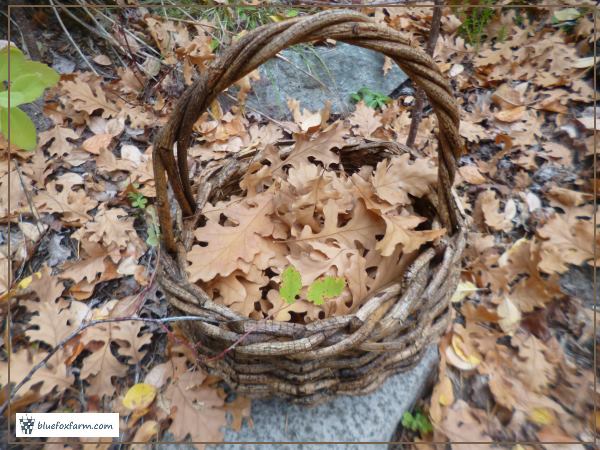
x=579, y=282
x=313, y=75
x=369, y=418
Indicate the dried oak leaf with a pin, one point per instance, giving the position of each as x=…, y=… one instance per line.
x=97, y=143
x=37, y=169
x=86, y=99
x=59, y=136
x=317, y=147
x=363, y=227
x=463, y=423
x=490, y=206
x=531, y=290
x=364, y=189
x=228, y=247
x=101, y=365
x=306, y=120
x=396, y=178
x=533, y=366
x=92, y=263
x=569, y=239
x=71, y=204
x=55, y=321
x=400, y=230
x=196, y=410
x=318, y=260
x=47, y=287
x=239, y=290
x=509, y=390
x=148, y=430
x=54, y=374
x=111, y=226
x=365, y=120
x=131, y=340
x=388, y=269
x=106, y=161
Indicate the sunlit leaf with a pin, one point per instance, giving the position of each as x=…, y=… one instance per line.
x=291, y=283
x=139, y=396
x=22, y=129
x=328, y=287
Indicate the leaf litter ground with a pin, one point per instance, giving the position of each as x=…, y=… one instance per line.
x=515, y=365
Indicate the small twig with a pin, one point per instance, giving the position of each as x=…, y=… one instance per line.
x=26, y=31
x=34, y=212
x=417, y=112
x=133, y=35
x=102, y=34
x=62, y=25
x=275, y=121
x=308, y=74
x=132, y=59
x=162, y=2
x=192, y=22
x=18, y=28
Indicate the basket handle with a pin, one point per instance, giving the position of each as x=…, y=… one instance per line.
x=263, y=43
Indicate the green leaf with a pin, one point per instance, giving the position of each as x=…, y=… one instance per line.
x=408, y=421
x=291, y=283
x=153, y=229
x=138, y=200
x=152, y=239
x=566, y=14
x=16, y=58
x=19, y=66
x=324, y=288
x=22, y=129
x=47, y=75
x=291, y=13
x=25, y=89
x=16, y=99
x=419, y=422
x=422, y=423
x=371, y=98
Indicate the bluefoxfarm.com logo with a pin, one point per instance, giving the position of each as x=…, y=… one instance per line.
x=26, y=424
x=67, y=425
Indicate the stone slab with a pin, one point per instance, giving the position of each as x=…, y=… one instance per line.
x=370, y=418
x=314, y=74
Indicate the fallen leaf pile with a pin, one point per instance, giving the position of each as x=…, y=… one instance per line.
x=359, y=226
x=506, y=372
x=91, y=256
x=516, y=364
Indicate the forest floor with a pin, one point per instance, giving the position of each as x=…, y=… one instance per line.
x=517, y=361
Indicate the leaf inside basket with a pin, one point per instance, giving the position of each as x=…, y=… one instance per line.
x=356, y=222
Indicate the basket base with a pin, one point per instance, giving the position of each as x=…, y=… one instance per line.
x=367, y=418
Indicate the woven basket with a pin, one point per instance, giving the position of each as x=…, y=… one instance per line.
x=350, y=354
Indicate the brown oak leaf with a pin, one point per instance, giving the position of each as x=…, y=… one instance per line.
x=229, y=246
x=398, y=177
x=59, y=136
x=87, y=99
x=196, y=410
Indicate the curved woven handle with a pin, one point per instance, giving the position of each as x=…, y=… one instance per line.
x=265, y=42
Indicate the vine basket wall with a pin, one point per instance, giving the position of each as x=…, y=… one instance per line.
x=350, y=354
